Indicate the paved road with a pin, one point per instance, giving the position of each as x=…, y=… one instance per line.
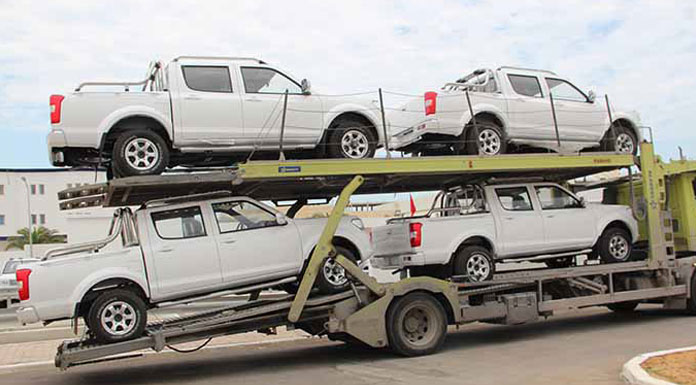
x=586, y=347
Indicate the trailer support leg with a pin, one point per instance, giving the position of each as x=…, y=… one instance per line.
x=323, y=249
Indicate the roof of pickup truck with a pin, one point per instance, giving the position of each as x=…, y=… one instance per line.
x=221, y=58
x=522, y=69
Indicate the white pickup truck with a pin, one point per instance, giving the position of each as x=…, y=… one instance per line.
x=177, y=251
x=206, y=111
x=512, y=108
x=468, y=229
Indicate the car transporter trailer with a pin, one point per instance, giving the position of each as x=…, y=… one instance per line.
x=409, y=316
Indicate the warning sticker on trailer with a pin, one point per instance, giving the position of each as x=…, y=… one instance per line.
x=287, y=169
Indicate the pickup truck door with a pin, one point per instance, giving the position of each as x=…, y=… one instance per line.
x=578, y=119
x=253, y=244
x=207, y=107
x=529, y=112
x=262, y=102
x=183, y=254
x=568, y=224
x=520, y=226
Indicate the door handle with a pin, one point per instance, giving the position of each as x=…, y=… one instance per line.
x=550, y=216
x=253, y=100
x=192, y=97
x=165, y=250
x=508, y=218
x=229, y=241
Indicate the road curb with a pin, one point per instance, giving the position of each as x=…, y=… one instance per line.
x=633, y=374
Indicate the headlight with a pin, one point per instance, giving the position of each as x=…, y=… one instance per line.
x=357, y=222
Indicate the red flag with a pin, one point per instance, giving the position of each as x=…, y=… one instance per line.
x=413, y=205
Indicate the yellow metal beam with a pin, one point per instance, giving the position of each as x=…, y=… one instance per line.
x=323, y=249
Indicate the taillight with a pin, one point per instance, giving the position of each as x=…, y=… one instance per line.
x=415, y=233
x=56, y=103
x=430, y=102
x=23, y=282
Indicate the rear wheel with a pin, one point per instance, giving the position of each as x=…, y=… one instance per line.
x=614, y=245
x=117, y=315
x=474, y=262
x=416, y=325
x=491, y=139
x=352, y=139
x=139, y=152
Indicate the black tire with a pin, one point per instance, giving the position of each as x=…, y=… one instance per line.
x=111, y=304
x=622, y=140
x=492, y=138
x=330, y=273
x=358, y=134
x=691, y=301
x=623, y=307
x=614, y=245
x=416, y=325
x=474, y=262
x=133, y=150
x=559, y=263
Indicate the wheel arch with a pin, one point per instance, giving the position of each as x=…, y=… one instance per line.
x=106, y=284
x=433, y=287
x=625, y=121
x=135, y=121
x=616, y=223
x=348, y=244
x=474, y=240
x=486, y=111
x=355, y=115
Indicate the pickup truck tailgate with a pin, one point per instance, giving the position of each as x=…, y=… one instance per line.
x=391, y=239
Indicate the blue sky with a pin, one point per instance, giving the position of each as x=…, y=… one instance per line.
x=642, y=53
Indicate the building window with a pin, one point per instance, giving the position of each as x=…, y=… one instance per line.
x=42, y=219
x=42, y=189
x=33, y=189
x=33, y=219
x=2, y=219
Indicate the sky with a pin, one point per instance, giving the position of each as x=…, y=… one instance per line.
x=641, y=53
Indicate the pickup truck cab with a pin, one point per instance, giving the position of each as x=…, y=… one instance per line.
x=469, y=229
x=512, y=108
x=206, y=111
x=178, y=251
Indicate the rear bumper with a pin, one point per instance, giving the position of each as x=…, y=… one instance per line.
x=27, y=315
x=398, y=261
x=413, y=134
x=56, y=143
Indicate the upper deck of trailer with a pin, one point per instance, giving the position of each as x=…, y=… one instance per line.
x=324, y=178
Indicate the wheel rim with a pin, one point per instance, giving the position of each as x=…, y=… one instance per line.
x=142, y=154
x=478, y=267
x=624, y=143
x=618, y=247
x=489, y=142
x=419, y=324
x=334, y=273
x=118, y=318
x=354, y=144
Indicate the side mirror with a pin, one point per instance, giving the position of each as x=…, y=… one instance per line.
x=591, y=96
x=306, y=87
x=280, y=219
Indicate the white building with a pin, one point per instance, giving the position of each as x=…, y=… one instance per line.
x=41, y=187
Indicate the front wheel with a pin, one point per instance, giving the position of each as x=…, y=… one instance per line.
x=615, y=245
x=332, y=277
x=352, y=139
x=416, y=325
x=139, y=152
x=621, y=140
x=117, y=315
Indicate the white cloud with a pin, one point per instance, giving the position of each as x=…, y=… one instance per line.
x=642, y=53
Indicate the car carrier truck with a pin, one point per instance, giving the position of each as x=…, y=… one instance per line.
x=411, y=316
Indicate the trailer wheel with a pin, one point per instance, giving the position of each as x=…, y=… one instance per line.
x=117, y=315
x=474, y=262
x=332, y=277
x=139, y=152
x=623, y=307
x=615, y=245
x=416, y=325
x=691, y=301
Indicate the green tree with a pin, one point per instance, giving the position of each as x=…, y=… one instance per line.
x=39, y=235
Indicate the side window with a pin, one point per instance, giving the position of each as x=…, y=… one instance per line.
x=561, y=89
x=241, y=215
x=267, y=81
x=179, y=223
x=514, y=198
x=526, y=85
x=553, y=198
x=207, y=78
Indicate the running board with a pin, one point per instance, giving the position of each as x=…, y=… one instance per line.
x=241, y=290
x=548, y=256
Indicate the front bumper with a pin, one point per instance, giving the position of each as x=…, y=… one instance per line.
x=398, y=261
x=27, y=315
x=413, y=134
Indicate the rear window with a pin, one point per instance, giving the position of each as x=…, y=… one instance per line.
x=526, y=85
x=10, y=267
x=207, y=78
x=179, y=223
